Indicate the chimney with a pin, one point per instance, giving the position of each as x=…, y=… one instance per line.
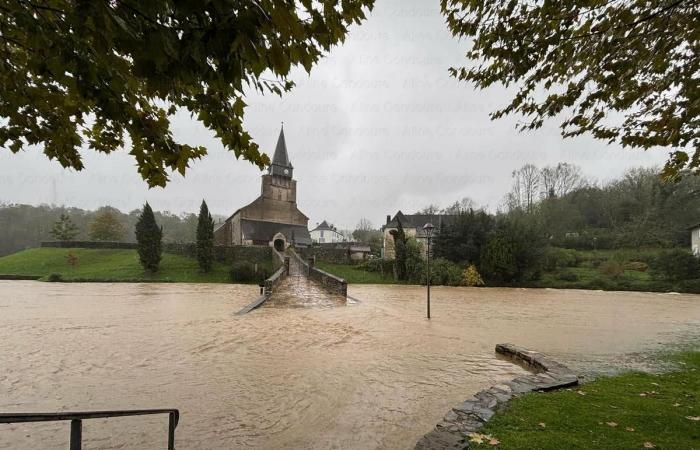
x=388, y=219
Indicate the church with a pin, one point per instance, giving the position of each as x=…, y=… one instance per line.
x=273, y=218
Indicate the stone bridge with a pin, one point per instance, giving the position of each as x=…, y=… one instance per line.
x=297, y=284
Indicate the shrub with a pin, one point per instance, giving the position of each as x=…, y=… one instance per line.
x=692, y=286
x=471, y=277
x=567, y=275
x=676, y=265
x=637, y=266
x=556, y=258
x=242, y=272
x=55, y=277
x=444, y=272
x=611, y=268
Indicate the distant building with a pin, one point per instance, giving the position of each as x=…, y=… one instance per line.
x=695, y=239
x=324, y=234
x=273, y=218
x=412, y=225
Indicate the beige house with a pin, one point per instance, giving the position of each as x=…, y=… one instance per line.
x=695, y=239
x=412, y=225
x=273, y=218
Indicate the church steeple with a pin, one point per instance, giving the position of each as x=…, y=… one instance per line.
x=281, y=166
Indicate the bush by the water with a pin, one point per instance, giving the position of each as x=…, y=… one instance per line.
x=444, y=272
x=612, y=268
x=558, y=258
x=567, y=275
x=471, y=277
x=242, y=272
x=676, y=265
x=55, y=277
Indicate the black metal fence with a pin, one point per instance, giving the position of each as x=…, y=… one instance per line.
x=76, y=421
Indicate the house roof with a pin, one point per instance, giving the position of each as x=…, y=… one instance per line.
x=261, y=230
x=323, y=226
x=417, y=221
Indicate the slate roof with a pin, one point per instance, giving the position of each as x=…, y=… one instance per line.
x=323, y=226
x=419, y=220
x=262, y=230
x=280, y=160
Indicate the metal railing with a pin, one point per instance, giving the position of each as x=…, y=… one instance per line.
x=76, y=421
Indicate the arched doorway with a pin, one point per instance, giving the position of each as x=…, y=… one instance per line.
x=279, y=242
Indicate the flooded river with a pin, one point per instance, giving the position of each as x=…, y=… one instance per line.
x=374, y=374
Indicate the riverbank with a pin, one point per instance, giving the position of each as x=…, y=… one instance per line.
x=632, y=410
x=583, y=278
x=105, y=265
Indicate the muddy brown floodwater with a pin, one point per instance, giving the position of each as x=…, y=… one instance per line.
x=375, y=374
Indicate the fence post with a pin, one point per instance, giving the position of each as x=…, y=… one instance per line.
x=76, y=434
x=286, y=264
x=171, y=431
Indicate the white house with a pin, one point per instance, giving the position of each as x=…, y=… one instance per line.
x=695, y=239
x=324, y=234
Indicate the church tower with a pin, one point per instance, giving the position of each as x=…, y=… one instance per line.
x=278, y=184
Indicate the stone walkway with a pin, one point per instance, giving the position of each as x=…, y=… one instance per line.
x=298, y=291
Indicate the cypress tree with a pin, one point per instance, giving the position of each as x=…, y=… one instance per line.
x=148, y=236
x=400, y=251
x=205, y=238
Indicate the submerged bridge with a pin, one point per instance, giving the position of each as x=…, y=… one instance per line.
x=298, y=283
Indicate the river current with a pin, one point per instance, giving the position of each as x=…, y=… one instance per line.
x=370, y=375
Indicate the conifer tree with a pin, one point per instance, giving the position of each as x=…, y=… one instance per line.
x=149, y=236
x=205, y=239
x=64, y=229
x=400, y=250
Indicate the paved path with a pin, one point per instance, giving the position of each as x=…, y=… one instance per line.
x=298, y=291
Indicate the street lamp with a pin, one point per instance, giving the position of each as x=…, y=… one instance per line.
x=428, y=228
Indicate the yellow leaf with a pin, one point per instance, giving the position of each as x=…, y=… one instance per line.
x=494, y=441
x=649, y=445
x=542, y=424
x=629, y=429
x=693, y=418
x=611, y=424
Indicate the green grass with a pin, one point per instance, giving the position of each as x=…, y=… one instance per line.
x=353, y=274
x=609, y=413
x=107, y=265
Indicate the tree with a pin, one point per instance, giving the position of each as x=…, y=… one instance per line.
x=400, y=241
x=498, y=259
x=106, y=225
x=462, y=206
x=64, y=229
x=624, y=71
x=205, y=238
x=96, y=72
x=471, y=277
x=148, y=238
x=525, y=190
x=431, y=209
x=462, y=240
x=561, y=179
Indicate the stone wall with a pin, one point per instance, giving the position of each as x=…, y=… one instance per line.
x=254, y=254
x=469, y=416
x=331, y=255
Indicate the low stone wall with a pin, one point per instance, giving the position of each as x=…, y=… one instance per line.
x=270, y=284
x=331, y=255
x=250, y=253
x=469, y=416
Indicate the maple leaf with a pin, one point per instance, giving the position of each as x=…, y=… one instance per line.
x=649, y=445
x=494, y=441
x=476, y=438
x=611, y=424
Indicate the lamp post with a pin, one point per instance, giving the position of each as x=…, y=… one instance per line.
x=428, y=228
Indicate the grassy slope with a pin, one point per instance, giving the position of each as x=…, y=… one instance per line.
x=664, y=416
x=107, y=265
x=352, y=274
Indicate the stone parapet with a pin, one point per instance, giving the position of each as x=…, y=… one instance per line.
x=452, y=432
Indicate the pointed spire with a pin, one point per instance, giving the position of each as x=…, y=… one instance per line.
x=280, y=160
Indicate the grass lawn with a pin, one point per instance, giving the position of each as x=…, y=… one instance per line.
x=629, y=411
x=107, y=265
x=353, y=274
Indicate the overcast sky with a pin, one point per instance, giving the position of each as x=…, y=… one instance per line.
x=378, y=126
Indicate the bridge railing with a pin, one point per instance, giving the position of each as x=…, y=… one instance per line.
x=330, y=282
x=76, y=421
